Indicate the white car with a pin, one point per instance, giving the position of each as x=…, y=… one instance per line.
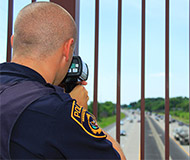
x=123, y=133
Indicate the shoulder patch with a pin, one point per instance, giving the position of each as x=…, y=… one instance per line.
x=86, y=120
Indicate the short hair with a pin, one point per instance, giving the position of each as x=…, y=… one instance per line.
x=42, y=27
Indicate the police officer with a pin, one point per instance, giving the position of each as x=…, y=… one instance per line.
x=39, y=120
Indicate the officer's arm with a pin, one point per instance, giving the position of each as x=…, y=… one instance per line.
x=81, y=95
x=77, y=135
x=116, y=146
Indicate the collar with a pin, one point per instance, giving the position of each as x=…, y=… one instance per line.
x=21, y=71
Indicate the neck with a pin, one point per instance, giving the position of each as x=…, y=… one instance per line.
x=44, y=67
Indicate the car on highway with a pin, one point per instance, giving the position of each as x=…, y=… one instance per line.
x=176, y=133
x=173, y=120
x=157, y=118
x=130, y=119
x=182, y=135
x=180, y=123
x=123, y=133
x=121, y=122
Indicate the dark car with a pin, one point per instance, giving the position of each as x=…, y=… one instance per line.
x=180, y=123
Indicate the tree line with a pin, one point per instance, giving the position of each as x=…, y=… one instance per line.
x=105, y=109
x=158, y=104
x=179, y=106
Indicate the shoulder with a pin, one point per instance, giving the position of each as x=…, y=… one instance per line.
x=51, y=104
x=86, y=121
x=68, y=114
x=78, y=136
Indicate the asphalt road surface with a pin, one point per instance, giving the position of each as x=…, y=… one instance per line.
x=154, y=139
x=154, y=143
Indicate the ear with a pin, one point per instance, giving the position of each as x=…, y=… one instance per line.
x=68, y=47
x=12, y=37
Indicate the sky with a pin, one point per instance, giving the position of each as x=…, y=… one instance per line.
x=130, y=48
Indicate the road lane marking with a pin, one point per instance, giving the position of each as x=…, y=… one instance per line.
x=140, y=152
x=180, y=146
x=157, y=139
x=173, y=139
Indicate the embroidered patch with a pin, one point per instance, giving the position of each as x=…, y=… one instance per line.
x=86, y=120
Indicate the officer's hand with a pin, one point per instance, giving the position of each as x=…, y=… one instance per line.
x=82, y=83
x=81, y=95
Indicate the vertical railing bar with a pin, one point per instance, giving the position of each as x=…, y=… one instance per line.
x=143, y=81
x=95, y=102
x=118, y=71
x=167, y=83
x=10, y=27
x=189, y=73
x=77, y=21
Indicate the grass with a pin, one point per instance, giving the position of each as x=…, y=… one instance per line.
x=104, y=122
x=180, y=116
x=184, y=120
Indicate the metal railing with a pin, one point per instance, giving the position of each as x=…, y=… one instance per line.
x=73, y=7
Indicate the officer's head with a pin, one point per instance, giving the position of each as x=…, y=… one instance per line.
x=44, y=34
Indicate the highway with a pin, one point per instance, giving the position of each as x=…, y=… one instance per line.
x=154, y=143
x=154, y=139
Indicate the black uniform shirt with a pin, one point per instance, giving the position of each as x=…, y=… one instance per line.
x=54, y=126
